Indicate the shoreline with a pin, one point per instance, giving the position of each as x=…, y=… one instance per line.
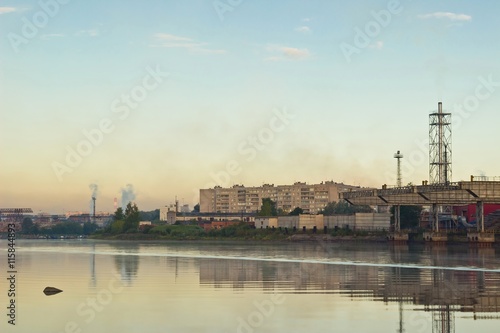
x=276, y=237
x=296, y=238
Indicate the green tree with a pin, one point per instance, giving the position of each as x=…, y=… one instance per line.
x=329, y=209
x=268, y=208
x=296, y=211
x=89, y=228
x=196, y=208
x=117, y=227
x=149, y=216
x=409, y=216
x=65, y=228
x=119, y=214
x=131, y=218
x=27, y=225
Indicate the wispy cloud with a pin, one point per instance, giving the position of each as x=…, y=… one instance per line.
x=446, y=15
x=378, y=45
x=279, y=53
x=303, y=29
x=88, y=32
x=50, y=36
x=306, y=19
x=5, y=10
x=173, y=41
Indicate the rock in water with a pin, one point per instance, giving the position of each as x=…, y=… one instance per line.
x=51, y=291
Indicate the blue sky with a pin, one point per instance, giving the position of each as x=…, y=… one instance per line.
x=256, y=92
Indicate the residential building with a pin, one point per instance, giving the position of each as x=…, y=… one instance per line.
x=241, y=199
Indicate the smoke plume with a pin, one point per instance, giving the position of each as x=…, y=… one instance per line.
x=93, y=188
x=128, y=195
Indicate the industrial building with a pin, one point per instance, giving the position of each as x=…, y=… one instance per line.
x=241, y=199
x=358, y=221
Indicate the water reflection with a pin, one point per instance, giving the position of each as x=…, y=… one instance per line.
x=438, y=291
x=127, y=264
x=326, y=286
x=93, y=278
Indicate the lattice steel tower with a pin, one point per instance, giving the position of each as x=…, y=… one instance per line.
x=440, y=146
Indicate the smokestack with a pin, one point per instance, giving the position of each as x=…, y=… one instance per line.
x=94, y=188
x=115, y=203
x=440, y=107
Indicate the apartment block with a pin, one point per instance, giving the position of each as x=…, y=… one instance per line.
x=240, y=199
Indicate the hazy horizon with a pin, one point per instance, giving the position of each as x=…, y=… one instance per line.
x=170, y=97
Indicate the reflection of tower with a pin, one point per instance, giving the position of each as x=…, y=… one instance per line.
x=440, y=146
x=399, y=156
x=92, y=268
x=443, y=320
x=93, y=209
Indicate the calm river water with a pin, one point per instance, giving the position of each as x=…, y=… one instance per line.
x=113, y=286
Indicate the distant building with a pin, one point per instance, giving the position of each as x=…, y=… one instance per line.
x=100, y=218
x=301, y=221
x=185, y=208
x=264, y=222
x=171, y=217
x=360, y=221
x=45, y=220
x=241, y=199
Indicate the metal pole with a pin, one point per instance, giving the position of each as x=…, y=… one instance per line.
x=480, y=216
x=436, y=217
x=397, y=218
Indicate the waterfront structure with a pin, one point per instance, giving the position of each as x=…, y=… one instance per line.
x=359, y=221
x=264, y=222
x=168, y=214
x=306, y=221
x=163, y=213
x=100, y=218
x=240, y=199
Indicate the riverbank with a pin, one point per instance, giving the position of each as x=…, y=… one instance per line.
x=277, y=237
x=289, y=238
x=242, y=233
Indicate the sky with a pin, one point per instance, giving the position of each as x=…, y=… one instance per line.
x=153, y=100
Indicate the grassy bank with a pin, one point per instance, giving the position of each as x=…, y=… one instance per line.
x=238, y=232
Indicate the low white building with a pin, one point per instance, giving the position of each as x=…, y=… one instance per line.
x=300, y=221
x=359, y=221
x=171, y=217
x=263, y=222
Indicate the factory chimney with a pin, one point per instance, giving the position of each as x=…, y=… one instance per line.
x=93, y=208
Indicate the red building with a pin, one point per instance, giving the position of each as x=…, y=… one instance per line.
x=469, y=211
